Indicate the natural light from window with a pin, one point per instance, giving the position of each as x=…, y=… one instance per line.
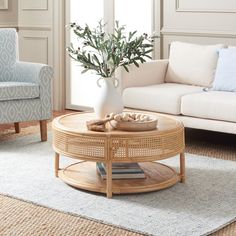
x=135, y=14
x=83, y=86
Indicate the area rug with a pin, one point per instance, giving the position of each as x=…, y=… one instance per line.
x=204, y=204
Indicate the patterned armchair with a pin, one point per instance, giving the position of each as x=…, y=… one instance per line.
x=25, y=88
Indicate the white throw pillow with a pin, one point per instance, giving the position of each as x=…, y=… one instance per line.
x=192, y=64
x=225, y=77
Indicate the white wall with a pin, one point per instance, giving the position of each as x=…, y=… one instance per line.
x=35, y=24
x=201, y=21
x=41, y=39
x=9, y=17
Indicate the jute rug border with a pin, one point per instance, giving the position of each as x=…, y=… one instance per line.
x=78, y=215
x=216, y=231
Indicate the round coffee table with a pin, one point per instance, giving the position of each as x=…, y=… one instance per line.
x=72, y=139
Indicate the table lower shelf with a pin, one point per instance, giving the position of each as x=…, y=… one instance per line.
x=83, y=175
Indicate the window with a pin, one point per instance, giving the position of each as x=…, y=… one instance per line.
x=82, y=86
x=135, y=14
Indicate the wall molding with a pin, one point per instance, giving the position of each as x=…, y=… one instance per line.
x=59, y=53
x=37, y=27
x=179, y=8
x=198, y=33
x=9, y=25
x=43, y=38
x=4, y=5
x=40, y=7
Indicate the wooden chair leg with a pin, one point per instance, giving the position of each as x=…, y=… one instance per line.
x=17, y=127
x=43, y=130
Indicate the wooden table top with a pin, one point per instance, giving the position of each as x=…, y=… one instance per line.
x=75, y=123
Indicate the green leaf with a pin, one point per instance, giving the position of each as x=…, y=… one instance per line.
x=148, y=51
x=148, y=56
x=126, y=68
x=96, y=59
x=117, y=23
x=147, y=45
x=84, y=71
x=131, y=34
x=142, y=60
x=136, y=63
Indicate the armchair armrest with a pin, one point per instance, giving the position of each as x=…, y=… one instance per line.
x=148, y=73
x=40, y=74
x=32, y=72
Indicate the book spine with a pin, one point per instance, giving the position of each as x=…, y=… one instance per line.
x=125, y=176
x=120, y=175
x=121, y=171
x=127, y=171
x=136, y=168
x=124, y=166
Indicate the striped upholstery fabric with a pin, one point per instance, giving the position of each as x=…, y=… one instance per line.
x=25, y=88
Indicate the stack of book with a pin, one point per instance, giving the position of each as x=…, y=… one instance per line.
x=122, y=171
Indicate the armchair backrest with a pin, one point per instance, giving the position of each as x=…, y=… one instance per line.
x=8, y=53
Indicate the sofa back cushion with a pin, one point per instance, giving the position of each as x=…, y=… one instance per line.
x=225, y=77
x=192, y=64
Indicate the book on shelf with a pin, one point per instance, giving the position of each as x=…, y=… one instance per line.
x=122, y=171
x=124, y=167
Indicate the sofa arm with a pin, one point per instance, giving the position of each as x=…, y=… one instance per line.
x=40, y=74
x=148, y=73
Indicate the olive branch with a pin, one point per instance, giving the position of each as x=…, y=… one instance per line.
x=104, y=52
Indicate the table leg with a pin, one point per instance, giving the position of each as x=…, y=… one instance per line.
x=109, y=179
x=57, y=156
x=182, y=167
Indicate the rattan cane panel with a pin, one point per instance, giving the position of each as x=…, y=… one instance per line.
x=81, y=146
x=173, y=142
x=147, y=148
x=59, y=140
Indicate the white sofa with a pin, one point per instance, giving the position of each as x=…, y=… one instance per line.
x=175, y=87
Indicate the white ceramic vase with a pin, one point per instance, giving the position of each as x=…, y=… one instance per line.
x=108, y=100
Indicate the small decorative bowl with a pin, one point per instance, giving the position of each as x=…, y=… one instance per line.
x=135, y=125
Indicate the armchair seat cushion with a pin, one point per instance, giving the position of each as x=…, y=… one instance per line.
x=164, y=98
x=216, y=105
x=18, y=90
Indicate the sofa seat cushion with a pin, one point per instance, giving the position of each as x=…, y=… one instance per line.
x=217, y=105
x=192, y=64
x=18, y=90
x=164, y=98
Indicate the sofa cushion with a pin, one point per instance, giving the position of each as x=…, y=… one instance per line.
x=164, y=98
x=225, y=77
x=192, y=64
x=18, y=90
x=217, y=105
